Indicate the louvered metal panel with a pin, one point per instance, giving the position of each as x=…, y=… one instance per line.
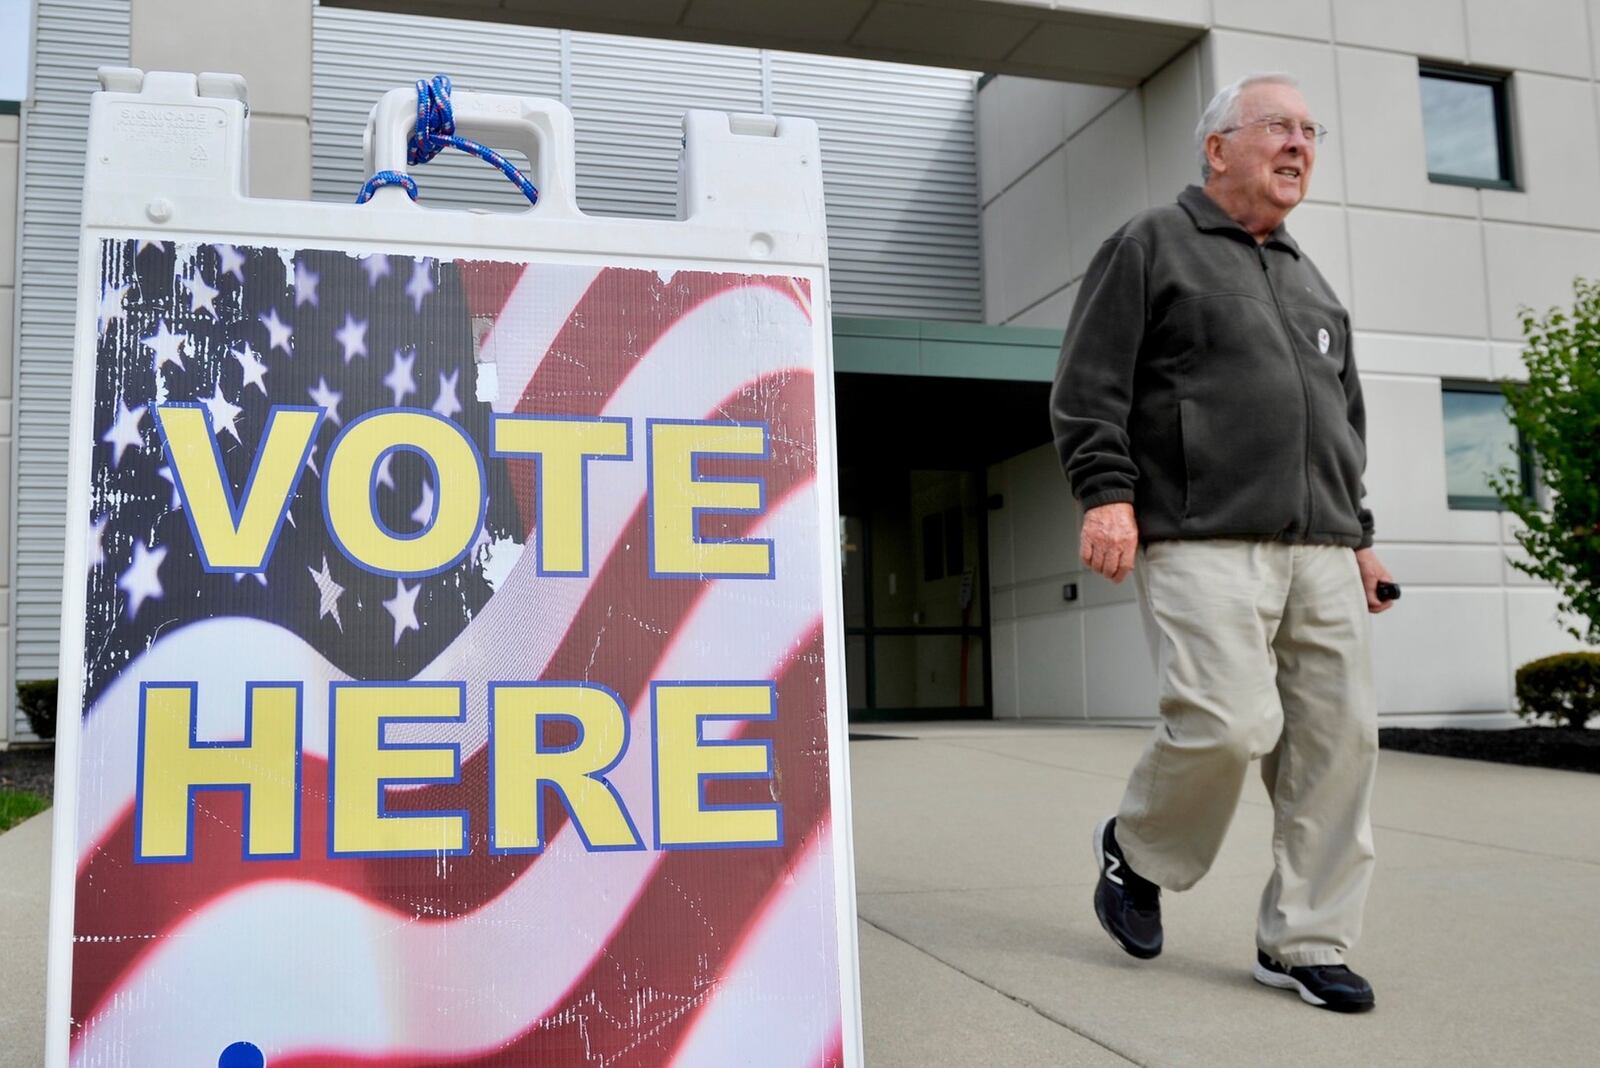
x=900, y=176
x=72, y=38
x=359, y=55
x=899, y=155
x=628, y=97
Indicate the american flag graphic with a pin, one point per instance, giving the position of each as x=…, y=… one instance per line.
x=565, y=957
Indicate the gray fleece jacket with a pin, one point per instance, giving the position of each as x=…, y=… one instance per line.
x=1209, y=379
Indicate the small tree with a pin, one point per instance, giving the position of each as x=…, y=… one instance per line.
x=1557, y=412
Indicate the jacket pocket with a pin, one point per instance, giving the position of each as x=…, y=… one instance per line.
x=1186, y=428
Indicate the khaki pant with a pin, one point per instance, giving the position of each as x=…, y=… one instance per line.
x=1262, y=650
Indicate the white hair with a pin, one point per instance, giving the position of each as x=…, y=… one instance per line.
x=1223, y=111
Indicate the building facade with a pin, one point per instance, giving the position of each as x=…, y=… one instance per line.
x=1460, y=182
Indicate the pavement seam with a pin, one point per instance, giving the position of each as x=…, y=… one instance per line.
x=1257, y=804
x=1023, y=1002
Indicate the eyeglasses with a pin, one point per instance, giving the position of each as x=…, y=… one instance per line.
x=1280, y=127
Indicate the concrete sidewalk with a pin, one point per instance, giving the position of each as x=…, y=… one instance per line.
x=979, y=946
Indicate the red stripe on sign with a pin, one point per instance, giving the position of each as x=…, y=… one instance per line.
x=634, y=1005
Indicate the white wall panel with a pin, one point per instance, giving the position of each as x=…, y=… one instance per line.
x=1534, y=266
x=1171, y=105
x=1292, y=18
x=1085, y=103
x=1538, y=35
x=1414, y=566
x=1026, y=232
x=1417, y=274
x=1003, y=668
x=1121, y=679
x=1464, y=629
x=1558, y=158
x=1535, y=627
x=1380, y=131
x=1019, y=122
x=1105, y=179
x=1319, y=230
x=72, y=38
x=1420, y=354
x=1051, y=313
x=1044, y=516
x=1233, y=55
x=1405, y=477
x=1050, y=666
x=1433, y=28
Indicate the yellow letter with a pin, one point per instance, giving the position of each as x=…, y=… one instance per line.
x=523, y=766
x=173, y=765
x=678, y=495
x=348, y=493
x=684, y=762
x=361, y=765
x=230, y=536
x=562, y=448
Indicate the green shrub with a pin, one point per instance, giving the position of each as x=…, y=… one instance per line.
x=38, y=700
x=1564, y=687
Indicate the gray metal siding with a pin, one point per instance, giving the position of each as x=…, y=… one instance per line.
x=73, y=37
x=899, y=147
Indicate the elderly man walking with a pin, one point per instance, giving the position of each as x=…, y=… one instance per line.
x=1209, y=417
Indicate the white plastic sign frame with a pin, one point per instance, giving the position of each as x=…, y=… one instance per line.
x=296, y=821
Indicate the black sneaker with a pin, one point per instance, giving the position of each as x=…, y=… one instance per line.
x=1128, y=905
x=1327, y=986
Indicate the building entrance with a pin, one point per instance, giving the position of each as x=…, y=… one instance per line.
x=914, y=454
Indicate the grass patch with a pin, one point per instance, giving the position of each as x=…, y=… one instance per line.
x=18, y=805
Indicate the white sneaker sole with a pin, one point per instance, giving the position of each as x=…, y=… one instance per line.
x=1268, y=977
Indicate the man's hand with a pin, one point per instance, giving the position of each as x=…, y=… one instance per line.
x=1110, y=540
x=1372, y=573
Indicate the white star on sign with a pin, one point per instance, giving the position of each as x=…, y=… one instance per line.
x=376, y=266
x=250, y=365
x=142, y=580
x=231, y=261
x=202, y=298
x=223, y=413
x=167, y=346
x=327, y=399
x=95, y=551
x=447, y=404
x=385, y=476
x=421, y=283
x=124, y=432
x=305, y=285
x=278, y=331
x=177, y=498
x=112, y=306
x=259, y=576
x=424, y=512
x=403, y=607
x=330, y=592
x=352, y=336
x=399, y=379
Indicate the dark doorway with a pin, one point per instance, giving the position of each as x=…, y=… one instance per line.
x=913, y=457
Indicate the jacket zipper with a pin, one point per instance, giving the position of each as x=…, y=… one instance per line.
x=1305, y=389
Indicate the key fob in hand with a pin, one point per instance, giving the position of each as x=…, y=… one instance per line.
x=1388, y=591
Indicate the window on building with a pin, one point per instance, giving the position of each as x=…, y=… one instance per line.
x=1479, y=441
x=1466, y=124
